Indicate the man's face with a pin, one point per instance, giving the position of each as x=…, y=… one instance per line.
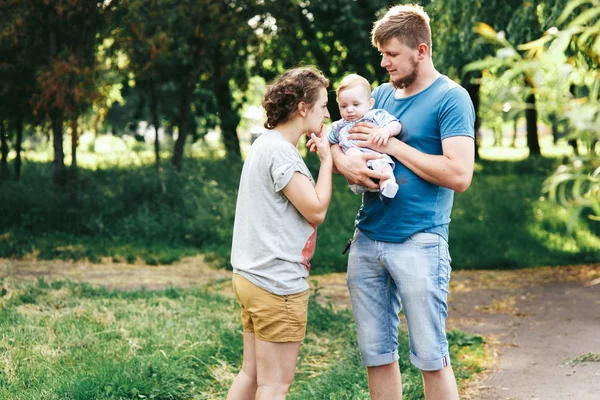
x=401, y=62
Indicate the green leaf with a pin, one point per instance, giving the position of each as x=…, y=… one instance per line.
x=486, y=31
x=536, y=44
x=571, y=6
x=585, y=17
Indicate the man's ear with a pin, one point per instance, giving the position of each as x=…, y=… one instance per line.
x=423, y=51
x=371, y=103
x=302, y=108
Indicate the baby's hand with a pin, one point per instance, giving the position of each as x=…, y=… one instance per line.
x=381, y=136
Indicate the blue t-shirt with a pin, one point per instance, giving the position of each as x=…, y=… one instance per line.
x=442, y=110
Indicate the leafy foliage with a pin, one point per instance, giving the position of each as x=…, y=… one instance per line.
x=561, y=68
x=117, y=212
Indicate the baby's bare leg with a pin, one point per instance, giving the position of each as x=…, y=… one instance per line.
x=387, y=187
x=386, y=169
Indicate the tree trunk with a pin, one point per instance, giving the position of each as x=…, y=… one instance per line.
x=497, y=134
x=473, y=90
x=58, y=165
x=554, y=127
x=533, y=141
x=74, y=143
x=18, y=146
x=184, y=114
x=3, y=151
x=515, y=130
x=228, y=116
x=154, y=111
x=56, y=119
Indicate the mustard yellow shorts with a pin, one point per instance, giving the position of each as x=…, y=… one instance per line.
x=271, y=317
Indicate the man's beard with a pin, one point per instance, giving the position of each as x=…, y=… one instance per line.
x=408, y=80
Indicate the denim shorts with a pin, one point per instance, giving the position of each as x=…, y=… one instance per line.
x=384, y=278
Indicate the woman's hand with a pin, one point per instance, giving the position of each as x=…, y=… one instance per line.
x=320, y=144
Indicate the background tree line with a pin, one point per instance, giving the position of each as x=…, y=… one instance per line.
x=66, y=63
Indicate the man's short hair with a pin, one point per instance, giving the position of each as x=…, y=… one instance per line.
x=409, y=23
x=353, y=80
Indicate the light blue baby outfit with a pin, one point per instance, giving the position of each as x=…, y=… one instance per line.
x=339, y=132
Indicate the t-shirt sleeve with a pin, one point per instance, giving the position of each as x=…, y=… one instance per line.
x=285, y=162
x=332, y=135
x=457, y=115
x=383, y=118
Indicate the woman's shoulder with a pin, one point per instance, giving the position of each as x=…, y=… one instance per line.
x=273, y=139
x=273, y=148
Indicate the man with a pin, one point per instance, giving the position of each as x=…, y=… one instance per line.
x=399, y=256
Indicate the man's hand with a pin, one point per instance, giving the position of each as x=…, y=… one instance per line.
x=367, y=134
x=368, y=128
x=354, y=167
x=366, y=140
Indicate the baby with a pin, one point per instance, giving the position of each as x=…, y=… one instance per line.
x=355, y=102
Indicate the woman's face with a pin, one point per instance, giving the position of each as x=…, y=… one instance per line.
x=318, y=114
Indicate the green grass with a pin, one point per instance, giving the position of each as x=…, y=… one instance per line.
x=72, y=341
x=126, y=213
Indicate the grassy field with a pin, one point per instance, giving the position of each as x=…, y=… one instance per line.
x=68, y=341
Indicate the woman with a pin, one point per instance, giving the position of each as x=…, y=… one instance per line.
x=278, y=209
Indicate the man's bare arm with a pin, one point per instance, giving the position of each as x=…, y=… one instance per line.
x=453, y=169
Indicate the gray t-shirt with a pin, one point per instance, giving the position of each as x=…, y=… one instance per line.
x=272, y=242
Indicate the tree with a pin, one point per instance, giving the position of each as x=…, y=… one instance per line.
x=3, y=151
x=457, y=44
x=140, y=33
x=232, y=41
x=18, y=66
x=574, y=52
x=333, y=35
x=43, y=36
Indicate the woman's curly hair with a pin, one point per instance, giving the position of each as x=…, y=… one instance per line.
x=286, y=92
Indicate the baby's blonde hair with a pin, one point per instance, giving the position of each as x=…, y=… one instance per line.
x=353, y=80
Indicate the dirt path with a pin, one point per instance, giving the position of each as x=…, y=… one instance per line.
x=539, y=323
x=543, y=324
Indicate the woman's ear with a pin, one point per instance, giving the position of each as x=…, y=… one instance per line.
x=302, y=108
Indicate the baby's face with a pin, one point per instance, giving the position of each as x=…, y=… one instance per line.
x=354, y=103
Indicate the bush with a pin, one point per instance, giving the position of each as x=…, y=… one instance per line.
x=127, y=213
x=119, y=212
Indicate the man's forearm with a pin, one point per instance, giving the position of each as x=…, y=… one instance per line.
x=451, y=171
